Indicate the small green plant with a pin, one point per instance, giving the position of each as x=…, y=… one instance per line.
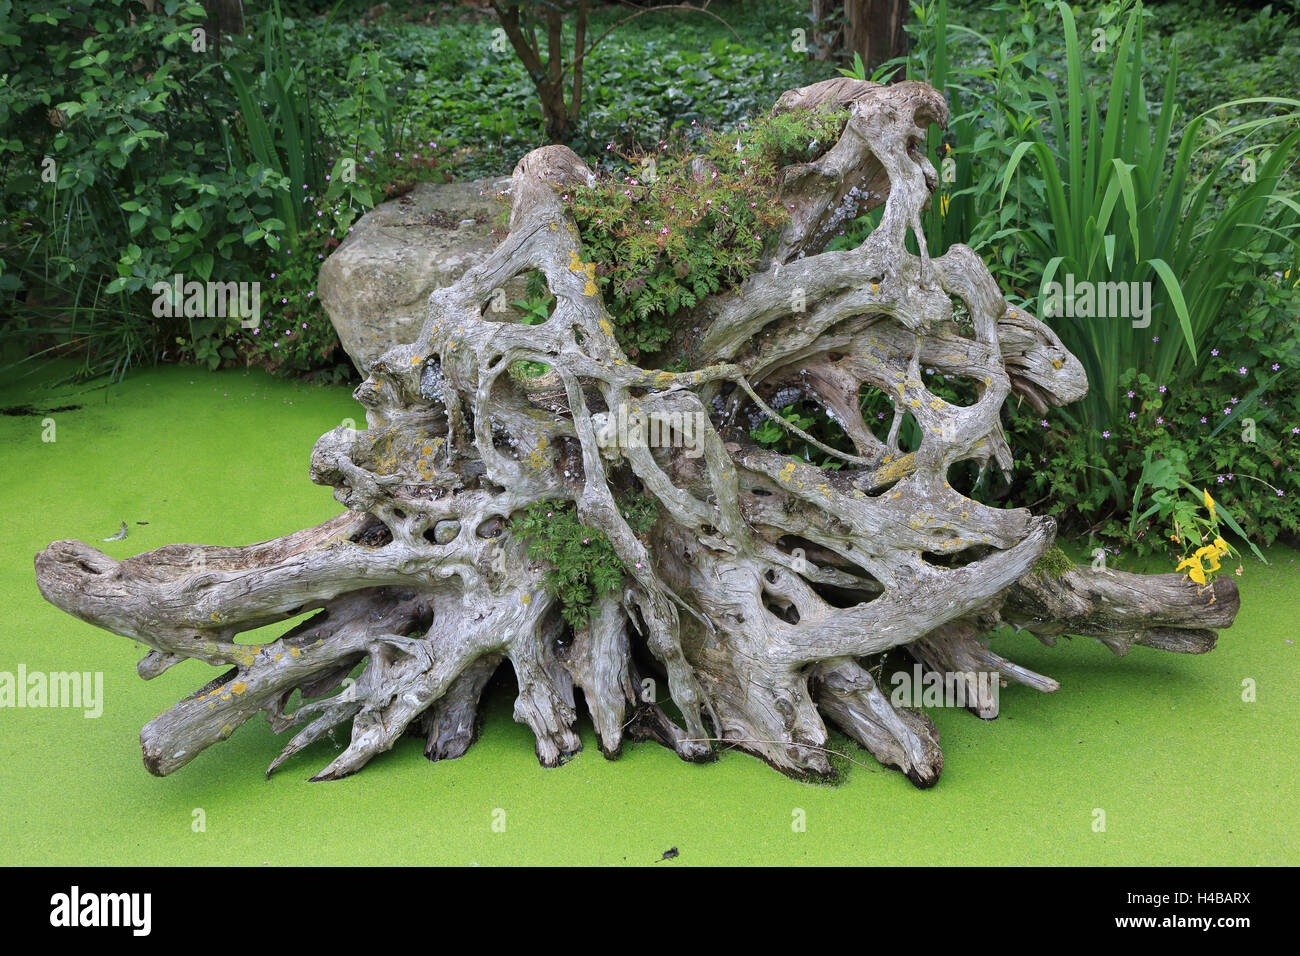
x=1164, y=481
x=536, y=309
x=677, y=226
x=1054, y=563
x=582, y=565
x=1203, y=563
x=816, y=422
x=769, y=433
x=856, y=72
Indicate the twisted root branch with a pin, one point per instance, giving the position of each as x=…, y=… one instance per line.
x=766, y=580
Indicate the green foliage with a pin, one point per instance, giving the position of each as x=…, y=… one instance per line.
x=682, y=223
x=811, y=419
x=1119, y=214
x=295, y=334
x=1105, y=181
x=448, y=83
x=1105, y=200
x=769, y=433
x=1164, y=481
x=582, y=565
x=115, y=173
x=666, y=71
x=1054, y=563
x=164, y=162
x=1250, y=52
x=856, y=72
x=172, y=153
x=281, y=130
x=1233, y=428
x=536, y=309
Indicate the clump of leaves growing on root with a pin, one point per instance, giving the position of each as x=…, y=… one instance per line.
x=678, y=224
x=582, y=566
x=1054, y=563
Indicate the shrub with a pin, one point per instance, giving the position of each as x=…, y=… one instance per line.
x=582, y=566
x=117, y=168
x=136, y=149
x=1233, y=428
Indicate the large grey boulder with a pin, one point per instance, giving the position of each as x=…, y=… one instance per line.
x=375, y=284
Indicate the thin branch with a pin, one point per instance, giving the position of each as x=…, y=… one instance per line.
x=790, y=426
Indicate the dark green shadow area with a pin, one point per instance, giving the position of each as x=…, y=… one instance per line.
x=1185, y=770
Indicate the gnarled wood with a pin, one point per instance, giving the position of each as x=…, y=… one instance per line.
x=751, y=602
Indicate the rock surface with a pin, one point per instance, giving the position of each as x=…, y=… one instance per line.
x=374, y=286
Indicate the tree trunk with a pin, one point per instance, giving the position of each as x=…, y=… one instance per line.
x=765, y=582
x=225, y=16
x=548, y=76
x=874, y=28
x=827, y=29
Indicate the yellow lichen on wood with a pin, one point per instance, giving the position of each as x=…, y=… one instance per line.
x=892, y=470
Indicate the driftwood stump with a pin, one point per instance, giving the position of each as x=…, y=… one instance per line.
x=765, y=580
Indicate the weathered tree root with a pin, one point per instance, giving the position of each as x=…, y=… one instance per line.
x=765, y=581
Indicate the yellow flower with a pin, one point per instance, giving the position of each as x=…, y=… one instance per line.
x=1209, y=553
x=1194, y=569
x=1221, y=545
x=943, y=205
x=1209, y=504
